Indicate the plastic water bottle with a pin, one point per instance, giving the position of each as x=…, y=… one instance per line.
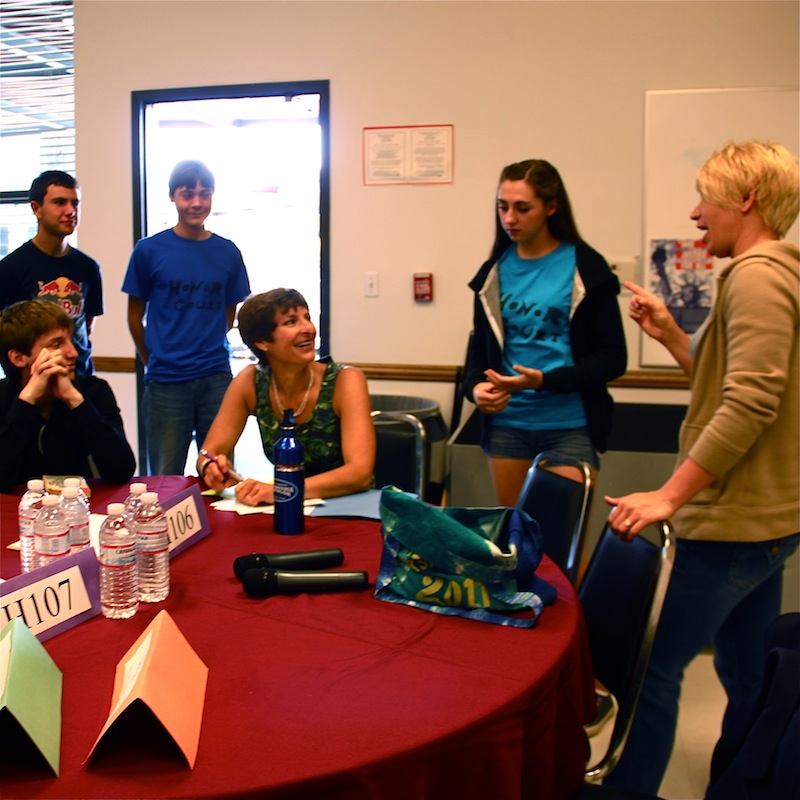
x=28, y=508
x=70, y=483
x=119, y=572
x=290, y=477
x=134, y=500
x=51, y=532
x=77, y=518
x=152, y=549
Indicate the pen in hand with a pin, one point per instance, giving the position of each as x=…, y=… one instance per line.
x=230, y=471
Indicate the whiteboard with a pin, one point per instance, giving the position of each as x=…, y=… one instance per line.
x=682, y=129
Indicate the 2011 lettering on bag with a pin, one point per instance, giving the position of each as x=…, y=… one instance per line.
x=449, y=593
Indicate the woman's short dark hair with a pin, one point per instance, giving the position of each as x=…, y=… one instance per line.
x=257, y=316
x=188, y=174
x=50, y=177
x=547, y=185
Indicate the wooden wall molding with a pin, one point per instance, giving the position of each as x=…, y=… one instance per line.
x=109, y=364
x=421, y=373
x=652, y=379
x=426, y=373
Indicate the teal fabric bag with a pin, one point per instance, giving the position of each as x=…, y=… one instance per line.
x=474, y=562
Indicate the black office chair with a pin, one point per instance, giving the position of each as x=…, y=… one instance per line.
x=622, y=594
x=400, y=456
x=561, y=507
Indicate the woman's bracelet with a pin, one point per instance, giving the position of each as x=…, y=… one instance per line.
x=202, y=470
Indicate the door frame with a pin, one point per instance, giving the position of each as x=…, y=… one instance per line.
x=141, y=99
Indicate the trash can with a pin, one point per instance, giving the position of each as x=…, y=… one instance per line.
x=469, y=481
x=408, y=430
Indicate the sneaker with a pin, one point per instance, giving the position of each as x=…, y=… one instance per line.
x=606, y=708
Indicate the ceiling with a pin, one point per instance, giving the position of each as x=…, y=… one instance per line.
x=36, y=67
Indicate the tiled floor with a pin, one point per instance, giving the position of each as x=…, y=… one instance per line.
x=699, y=720
x=703, y=703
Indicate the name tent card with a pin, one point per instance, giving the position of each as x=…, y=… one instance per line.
x=53, y=598
x=30, y=693
x=162, y=671
x=187, y=521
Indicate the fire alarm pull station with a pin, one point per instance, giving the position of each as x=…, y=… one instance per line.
x=423, y=287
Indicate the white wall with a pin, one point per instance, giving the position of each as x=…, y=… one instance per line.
x=560, y=80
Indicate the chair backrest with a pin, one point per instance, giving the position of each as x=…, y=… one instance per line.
x=561, y=507
x=622, y=594
x=400, y=456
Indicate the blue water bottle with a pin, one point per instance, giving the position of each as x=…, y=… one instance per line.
x=290, y=474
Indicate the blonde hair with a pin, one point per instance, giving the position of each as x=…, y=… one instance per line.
x=766, y=168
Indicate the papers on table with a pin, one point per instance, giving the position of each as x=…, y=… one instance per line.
x=364, y=505
x=232, y=504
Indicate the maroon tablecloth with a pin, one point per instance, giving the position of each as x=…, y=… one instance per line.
x=323, y=696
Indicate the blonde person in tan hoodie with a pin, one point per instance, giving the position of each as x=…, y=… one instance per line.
x=734, y=495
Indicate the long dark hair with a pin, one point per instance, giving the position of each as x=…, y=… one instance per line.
x=547, y=185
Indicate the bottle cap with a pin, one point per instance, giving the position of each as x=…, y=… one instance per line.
x=50, y=499
x=150, y=497
x=115, y=509
x=69, y=492
x=138, y=488
x=35, y=485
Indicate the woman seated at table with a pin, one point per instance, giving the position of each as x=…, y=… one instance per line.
x=330, y=401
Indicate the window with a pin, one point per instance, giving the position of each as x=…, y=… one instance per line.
x=37, y=108
x=267, y=146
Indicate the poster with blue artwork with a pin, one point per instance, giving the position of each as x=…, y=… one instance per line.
x=682, y=275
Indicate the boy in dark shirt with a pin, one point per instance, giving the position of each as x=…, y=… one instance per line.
x=47, y=266
x=52, y=421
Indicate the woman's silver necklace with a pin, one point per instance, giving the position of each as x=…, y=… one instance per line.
x=302, y=407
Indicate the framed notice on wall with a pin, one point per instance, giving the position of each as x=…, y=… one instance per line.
x=682, y=129
x=408, y=154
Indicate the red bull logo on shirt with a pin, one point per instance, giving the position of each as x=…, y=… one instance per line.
x=65, y=292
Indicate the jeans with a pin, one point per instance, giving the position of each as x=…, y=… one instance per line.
x=723, y=593
x=174, y=414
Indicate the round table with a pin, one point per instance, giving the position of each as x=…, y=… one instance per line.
x=322, y=695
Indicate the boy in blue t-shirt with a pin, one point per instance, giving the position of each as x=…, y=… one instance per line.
x=183, y=285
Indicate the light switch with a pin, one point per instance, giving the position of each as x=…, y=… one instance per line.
x=370, y=284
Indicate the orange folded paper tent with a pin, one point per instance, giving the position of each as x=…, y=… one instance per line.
x=162, y=671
